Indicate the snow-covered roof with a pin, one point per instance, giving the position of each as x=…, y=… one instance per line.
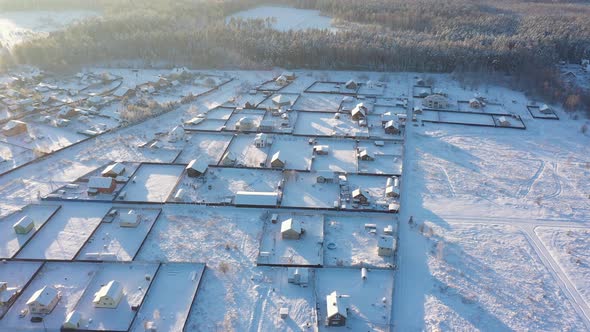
x=100, y=182
x=390, y=124
x=24, y=222
x=335, y=305
x=359, y=108
x=13, y=124
x=198, y=165
x=130, y=217
x=176, y=133
x=357, y=192
x=116, y=168
x=281, y=78
x=73, y=319
x=112, y=289
x=258, y=198
x=291, y=225
x=43, y=296
x=281, y=100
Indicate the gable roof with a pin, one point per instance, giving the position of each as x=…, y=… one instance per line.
x=100, y=182
x=43, y=296
x=335, y=305
x=112, y=289
x=291, y=225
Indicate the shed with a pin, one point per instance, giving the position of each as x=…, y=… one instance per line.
x=260, y=140
x=392, y=191
x=196, y=168
x=14, y=127
x=129, y=219
x=391, y=127
x=365, y=155
x=109, y=295
x=475, y=103
x=351, y=85
x=256, y=198
x=73, y=320
x=282, y=80
x=359, y=112
x=7, y=294
x=321, y=149
x=435, y=101
x=281, y=100
x=24, y=225
x=102, y=185
x=385, y=245
x=503, y=122
x=325, y=177
x=113, y=170
x=336, y=310
x=176, y=134
x=358, y=195
x=289, y=75
x=545, y=109
x=43, y=300
x=245, y=123
x=291, y=229
x=276, y=161
x=393, y=207
x=298, y=276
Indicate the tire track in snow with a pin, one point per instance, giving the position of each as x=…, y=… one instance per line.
x=525, y=188
x=451, y=188
x=557, y=180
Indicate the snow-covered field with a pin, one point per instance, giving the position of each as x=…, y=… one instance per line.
x=287, y=18
x=16, y=27
x=497, y=238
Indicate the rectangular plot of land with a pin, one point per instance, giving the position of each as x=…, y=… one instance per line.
x=151, y=183
x=327, y=124
x=242, y=151
x=170, y=297
x=219, y=185
x=277, y=248
x=246, y=120
x=314, y=102
x=113, y=241
x=135, y=279
x=208, y=146
x=461, y=118
x=11, y=241
x=302, y=190
x=295, y=151
x=65, y=233
x=536, y=113
x=341, y=157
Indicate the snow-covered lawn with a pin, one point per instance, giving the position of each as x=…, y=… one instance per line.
x=307, y=250
x=287, y=18
x=242, y=148
x=204, y=146
x=152, y=183
x=355, y=245
x=65, y=233
x=302, y=190
x=318, y=102
x=328, y=124
x=341, y=156
x=295, y=151
x=571, y=249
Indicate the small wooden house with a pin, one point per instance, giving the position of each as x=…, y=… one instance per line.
x=336, y=311
x=43, y=300
x=291, y=229
x=260, y=140
x=113, y=170
x=359, y=112
x=101, y=185
x=503, y=122
x=14, y=127
x=281, y=100
x=73, y=321
x=109, y=295
x=276, y=161
x=351, y=85
x=129, y=219
x=475, y=103
x=435, y=101
x=321, y=150
x=545, y=109
x=325, y=177
x=391, y=128
x=196, y=168
x=366, y=155
x=24, y=225
x=359, y=196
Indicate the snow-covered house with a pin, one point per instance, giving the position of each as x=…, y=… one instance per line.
x=359, y=112
x=276, y=161
x=503, y=122
x=282, y=80
x=196, y=168
x=545, y=109
x=392, y=191
x=391, y=128
x=435, y=101
x=14, y=127
x=176, y=134
x=24, y=225
x=7, y=294
x=281, y=100
x=129, y=219
x=260, y=140
x=291, y=229
x=245, y=123
x=475, y=103
x=321, y=150
x=358, y=196
x=298, y=276
x=101, y=185
x=73, y=321
x=336, y=310
x=351, y=85
x=420, y=82
x=385, y=245
x=289, y=75
x=365, y=155
x=43, y=300
x=113, y=170
x=109, y=295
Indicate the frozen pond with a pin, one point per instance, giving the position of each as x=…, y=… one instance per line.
x=287, y=18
